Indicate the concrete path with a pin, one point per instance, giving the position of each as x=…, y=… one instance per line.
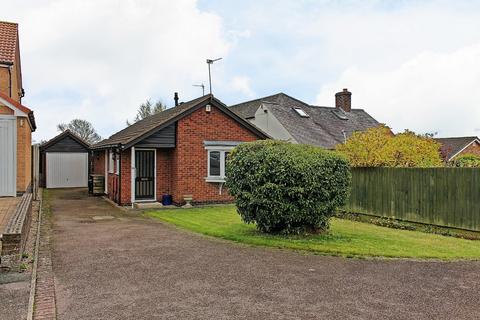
x=125, y=267
x=14, y=292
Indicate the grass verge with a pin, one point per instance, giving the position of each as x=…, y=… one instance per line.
x=345, y=238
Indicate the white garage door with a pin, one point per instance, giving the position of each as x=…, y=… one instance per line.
x=7, y=157
x=67, y=170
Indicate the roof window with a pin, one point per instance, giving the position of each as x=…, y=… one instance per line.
x=301, y=112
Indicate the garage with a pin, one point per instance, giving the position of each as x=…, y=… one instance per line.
x=64, y=162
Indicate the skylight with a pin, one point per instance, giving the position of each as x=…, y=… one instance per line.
x=301, y=113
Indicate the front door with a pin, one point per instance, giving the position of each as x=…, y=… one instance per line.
x=145, y=175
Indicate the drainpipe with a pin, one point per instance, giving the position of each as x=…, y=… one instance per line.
x=106, y=172
x=132, y=176
x=120, y=175
x=10, y=81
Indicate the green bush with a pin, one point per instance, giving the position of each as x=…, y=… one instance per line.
x=287, y=188
x=467, y=161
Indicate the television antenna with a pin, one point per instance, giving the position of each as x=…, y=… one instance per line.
x=201, y=86
x=210, y=62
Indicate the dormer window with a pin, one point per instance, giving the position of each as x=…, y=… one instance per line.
x=301, y=112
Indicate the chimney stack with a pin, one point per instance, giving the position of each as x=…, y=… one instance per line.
x=343, y=100
x=175, y=97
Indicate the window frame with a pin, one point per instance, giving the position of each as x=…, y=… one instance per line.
x=110, y=162
x=117, y=164
x=223, y=150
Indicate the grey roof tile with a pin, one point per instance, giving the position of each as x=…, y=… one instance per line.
x=322, y=128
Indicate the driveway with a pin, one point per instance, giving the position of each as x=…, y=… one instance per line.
x=128, y=267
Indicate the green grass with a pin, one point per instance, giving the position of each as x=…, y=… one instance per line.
x=345, y=238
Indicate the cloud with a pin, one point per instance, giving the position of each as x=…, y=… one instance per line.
x=98, y=60
x=433, y=92
x=242, y=84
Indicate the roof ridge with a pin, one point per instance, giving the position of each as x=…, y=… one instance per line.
x=9, y=22
x=258, y=99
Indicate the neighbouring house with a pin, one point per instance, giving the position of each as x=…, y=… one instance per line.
x=179, y=152
x=454, y=146
x=286, y=118
x=64, y=162
x=17, y=122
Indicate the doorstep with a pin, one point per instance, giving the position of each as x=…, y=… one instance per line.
x=148, y=205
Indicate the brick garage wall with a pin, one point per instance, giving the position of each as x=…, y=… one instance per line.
x=6, y=110
x=98, y=162
x=189, y=161
x=24, y=154
x=4, y=81
x=474, y=148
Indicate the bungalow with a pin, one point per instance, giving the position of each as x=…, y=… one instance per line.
x=454, y=146
x=289, y=119
x=179, y=152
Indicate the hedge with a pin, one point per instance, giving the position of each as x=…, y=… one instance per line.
x=287, y=188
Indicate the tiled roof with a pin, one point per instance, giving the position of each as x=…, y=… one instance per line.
x=8, y=41
x=452, y=145
x=324, y=127
x=152, y=123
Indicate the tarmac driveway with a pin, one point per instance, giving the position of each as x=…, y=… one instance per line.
x=127, y=267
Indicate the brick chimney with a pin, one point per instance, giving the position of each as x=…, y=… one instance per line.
x=343, y=100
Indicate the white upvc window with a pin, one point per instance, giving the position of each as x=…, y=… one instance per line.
x=217, y=155
x=110, y=162
x=216, y=165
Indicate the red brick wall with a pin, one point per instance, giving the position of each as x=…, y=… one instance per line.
x=164, y=172
x=189, y=161
x=126, y=172
x=98, y=162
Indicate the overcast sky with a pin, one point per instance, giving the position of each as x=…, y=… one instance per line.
x=410, y=64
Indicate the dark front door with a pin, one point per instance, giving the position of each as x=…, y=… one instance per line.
x=145, y=178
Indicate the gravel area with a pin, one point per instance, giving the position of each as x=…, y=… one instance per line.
x=129, y=267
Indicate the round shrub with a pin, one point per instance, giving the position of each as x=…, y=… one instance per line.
x=287, y=188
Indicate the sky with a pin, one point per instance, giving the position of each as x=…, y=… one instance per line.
x=410, y=64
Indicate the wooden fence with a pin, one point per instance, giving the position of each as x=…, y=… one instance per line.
x=439, y=196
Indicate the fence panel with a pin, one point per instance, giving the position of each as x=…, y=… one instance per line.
x=440, y=196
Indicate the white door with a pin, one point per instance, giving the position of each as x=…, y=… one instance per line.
x=67, y=170
x=8, y=156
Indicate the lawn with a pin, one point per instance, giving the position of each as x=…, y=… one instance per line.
x=345, y=238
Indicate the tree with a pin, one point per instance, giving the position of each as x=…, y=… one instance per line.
x=147, y=109
x=287, y=188
x=81, y=128
x=379, y=147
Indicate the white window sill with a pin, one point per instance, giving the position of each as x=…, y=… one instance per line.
x=215, y=179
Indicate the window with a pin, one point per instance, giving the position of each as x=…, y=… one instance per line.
x=216, y=165
x=217, y=154
x=301, y=112
x=110, y=162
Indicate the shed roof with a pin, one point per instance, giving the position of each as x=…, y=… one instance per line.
x=63, y=135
